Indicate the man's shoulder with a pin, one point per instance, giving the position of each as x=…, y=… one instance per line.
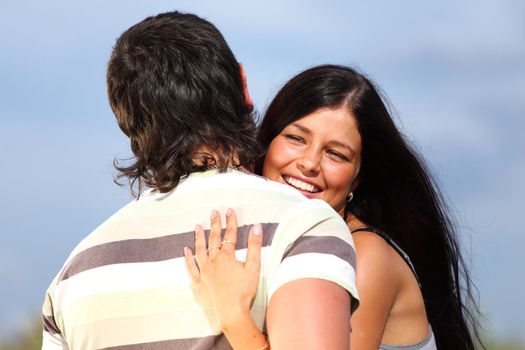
x=239, y=183
x=107, y=231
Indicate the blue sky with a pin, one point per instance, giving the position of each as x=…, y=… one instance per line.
x=453, y=70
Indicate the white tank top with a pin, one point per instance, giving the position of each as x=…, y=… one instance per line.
x=429, y=343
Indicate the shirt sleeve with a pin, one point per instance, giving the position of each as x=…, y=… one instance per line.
x=52, y=338
x=313, y=242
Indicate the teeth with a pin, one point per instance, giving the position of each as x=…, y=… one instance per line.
x=300, y=185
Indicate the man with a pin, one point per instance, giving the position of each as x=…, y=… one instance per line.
x=179, y=94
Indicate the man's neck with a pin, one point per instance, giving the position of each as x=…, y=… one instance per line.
x=205, y=155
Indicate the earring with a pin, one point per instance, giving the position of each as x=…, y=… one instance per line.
x=349, y=198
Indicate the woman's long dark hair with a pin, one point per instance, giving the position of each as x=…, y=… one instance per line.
x=396, y=193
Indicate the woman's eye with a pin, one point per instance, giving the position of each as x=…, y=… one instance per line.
x=337, y=155
x=294, y=138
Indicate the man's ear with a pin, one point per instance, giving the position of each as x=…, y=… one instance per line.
x=247, y=98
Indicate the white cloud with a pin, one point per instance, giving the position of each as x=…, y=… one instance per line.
x=457, y=134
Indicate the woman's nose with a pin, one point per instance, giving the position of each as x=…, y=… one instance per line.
x=309, y=163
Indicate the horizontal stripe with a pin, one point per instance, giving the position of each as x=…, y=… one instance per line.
x=311, y=218
x=155, y=220
x=126, y=284
x=149, y=328
x=116, y=278
x=49, y=325
x=334, y=226
x=129, y=277
x=254, y=200
x=324, y=245
x=182, y=302
x=149, y=250
x=218, y=342
x=141, y=316
x=314, y=265
x=53, y=341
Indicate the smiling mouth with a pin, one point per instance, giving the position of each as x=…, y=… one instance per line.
x=300, y=185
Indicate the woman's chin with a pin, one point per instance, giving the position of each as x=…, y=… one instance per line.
x=310, y=195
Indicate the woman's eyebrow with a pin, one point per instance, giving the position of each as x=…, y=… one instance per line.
x=302, y=128
x=333, y=142
x=344, y=145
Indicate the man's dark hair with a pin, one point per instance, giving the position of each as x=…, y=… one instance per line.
x=175, y=86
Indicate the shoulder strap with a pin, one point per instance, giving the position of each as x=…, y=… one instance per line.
x=393, y=244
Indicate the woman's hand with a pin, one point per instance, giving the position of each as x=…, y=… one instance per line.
x=220, y=280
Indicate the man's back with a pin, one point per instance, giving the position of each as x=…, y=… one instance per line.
x=180, y=95
x=125, y=286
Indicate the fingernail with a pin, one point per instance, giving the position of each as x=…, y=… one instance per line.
x=214, y=214
x=257, y=229
x=186, y=251
x=229, y=212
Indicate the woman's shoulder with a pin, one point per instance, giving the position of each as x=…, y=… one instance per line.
x=373, y=249
x=370, y=239
x=376, y=258
x=367, y=239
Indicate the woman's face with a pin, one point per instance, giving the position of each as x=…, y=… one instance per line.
x=319, y=155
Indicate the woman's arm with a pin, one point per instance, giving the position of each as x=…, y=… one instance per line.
x=308, y=313
x=228, y=284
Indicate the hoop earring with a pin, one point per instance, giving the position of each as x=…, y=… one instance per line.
x=349, y=198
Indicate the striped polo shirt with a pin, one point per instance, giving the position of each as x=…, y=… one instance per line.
x=125, y=286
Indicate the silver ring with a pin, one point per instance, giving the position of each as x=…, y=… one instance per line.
x=225, y=241
x=214, y=246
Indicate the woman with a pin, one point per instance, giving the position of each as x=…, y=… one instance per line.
x=329, y=135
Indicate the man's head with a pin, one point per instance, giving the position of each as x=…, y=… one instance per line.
x=178, y=94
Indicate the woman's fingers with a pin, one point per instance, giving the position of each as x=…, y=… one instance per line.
x=230, y=236
x=214, y=240
x=255, y=239
x=193, y=270
x=200, y=244
x=220, y=279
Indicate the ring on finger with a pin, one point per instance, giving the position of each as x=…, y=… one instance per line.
x=214, y=246
x=226, y=241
